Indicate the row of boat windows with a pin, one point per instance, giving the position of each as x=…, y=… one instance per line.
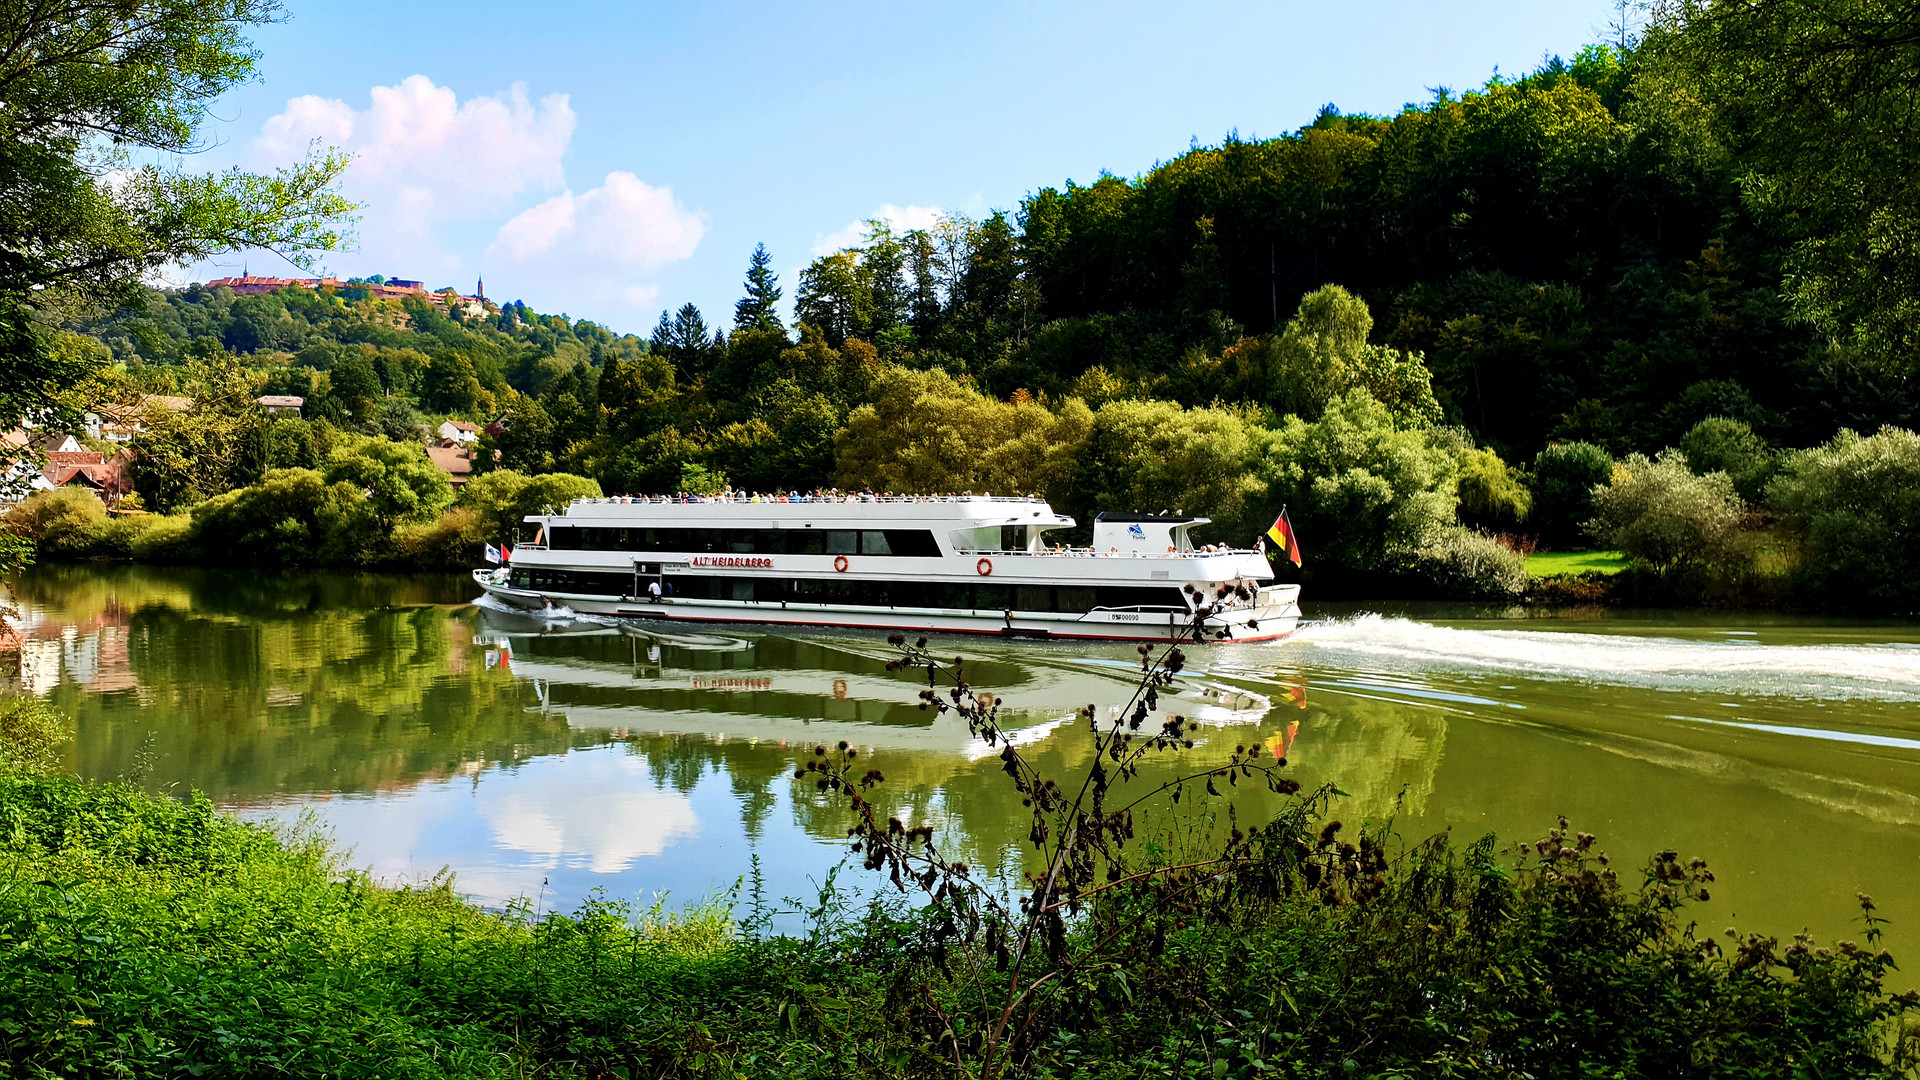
x=909, y=542
x=984, y=596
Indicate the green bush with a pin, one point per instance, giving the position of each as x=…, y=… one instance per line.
x=1461, y=564
x=1718, y=444
x=1659, y=512
x=1363, y=489
x=152, y=937
x=1491, y=496
x=292, y=517
x=159, y=538
x=68, y=522
x=449, y=542
x=502, y=499
x=1564, y=476
x=32, y=733
x=1854, y=504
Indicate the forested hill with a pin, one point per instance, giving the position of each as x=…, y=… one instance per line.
x=1573, y=262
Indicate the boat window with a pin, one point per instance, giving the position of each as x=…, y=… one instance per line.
x=840, y=541
x=1072, y=598
x=992, y=597
x=873, y=542
x=740, y=589
x=1131, y=596
x=563, y=538
x=913, y=543
x=1013, y=538
x=1033, y=597
x=806, y=542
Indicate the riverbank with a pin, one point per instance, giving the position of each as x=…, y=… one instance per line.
x=157, y=937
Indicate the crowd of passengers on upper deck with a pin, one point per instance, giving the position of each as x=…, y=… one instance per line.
x=827, y=495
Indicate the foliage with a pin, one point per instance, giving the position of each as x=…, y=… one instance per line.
x=1855, y=505
x=1461, y=564
x=1718, y=444
x=1157, y=456
x=499, y=501
x=84, y=87
x=1813, y=100
x=1491, y=496
x=759, y=309
x=1564, y=478
x=32, y=734
x=1323, y=353
x=218, y=444
x=397, y=480
x=1659, y=512
x=292, y=517
x=925, y=432
x=1365, y=488
x=65, y=522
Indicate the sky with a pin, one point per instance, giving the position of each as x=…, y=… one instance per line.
x=609, y=161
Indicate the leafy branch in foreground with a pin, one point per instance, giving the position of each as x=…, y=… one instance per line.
x=1083, y=832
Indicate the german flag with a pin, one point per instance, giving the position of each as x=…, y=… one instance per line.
x=1284, y=536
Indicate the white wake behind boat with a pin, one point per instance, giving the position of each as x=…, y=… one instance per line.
x=972, y=564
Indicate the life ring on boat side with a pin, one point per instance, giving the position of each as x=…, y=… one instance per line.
x=840, y=563
x=985, y=566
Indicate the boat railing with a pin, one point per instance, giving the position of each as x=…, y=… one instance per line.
x=1087, y=552
x=821, y=500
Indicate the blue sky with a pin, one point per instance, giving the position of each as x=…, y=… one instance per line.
x=611, y=160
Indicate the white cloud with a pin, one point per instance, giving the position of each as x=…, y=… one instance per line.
x=899, y=218
x=597, y=244
x=423, y=159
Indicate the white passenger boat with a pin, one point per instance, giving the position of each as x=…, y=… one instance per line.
x=977, y=564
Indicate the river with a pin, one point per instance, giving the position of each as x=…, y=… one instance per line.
x=550, y=759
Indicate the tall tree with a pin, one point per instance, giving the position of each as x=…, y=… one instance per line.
x=759, y=309
x=1815, y=99
x=86, y=84
x=684, y=340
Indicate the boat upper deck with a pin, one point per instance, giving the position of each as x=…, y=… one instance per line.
x=863, y=511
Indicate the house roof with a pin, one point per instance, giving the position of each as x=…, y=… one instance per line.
x=452, y=460
x=462, y=425
x=280, y=401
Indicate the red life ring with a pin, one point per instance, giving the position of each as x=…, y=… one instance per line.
x=840, y=563
x=985, y=566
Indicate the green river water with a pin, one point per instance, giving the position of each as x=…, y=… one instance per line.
x=548, y=760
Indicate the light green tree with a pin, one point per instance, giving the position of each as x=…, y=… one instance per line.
x=397, y=479
x=1659, y=511
x=1364, y=488
x=927, y=433
x=1322, y=353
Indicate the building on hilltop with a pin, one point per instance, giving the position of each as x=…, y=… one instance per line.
x=447, y=299
x=281, y=404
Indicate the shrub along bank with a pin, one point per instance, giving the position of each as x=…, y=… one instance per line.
x=149, y=937
x=387, y=508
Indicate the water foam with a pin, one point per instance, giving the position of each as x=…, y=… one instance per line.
x=1889, y=672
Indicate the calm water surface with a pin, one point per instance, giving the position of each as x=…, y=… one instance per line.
x=550, y=759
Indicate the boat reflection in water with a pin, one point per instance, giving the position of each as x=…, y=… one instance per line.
x=787, y=689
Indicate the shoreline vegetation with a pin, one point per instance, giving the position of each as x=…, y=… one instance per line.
x=154, y=936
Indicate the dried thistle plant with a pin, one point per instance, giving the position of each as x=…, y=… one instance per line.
x=1016, y=954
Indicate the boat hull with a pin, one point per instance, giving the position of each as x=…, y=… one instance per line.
x=1267, y=622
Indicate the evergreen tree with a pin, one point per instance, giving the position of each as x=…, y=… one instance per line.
x=759, y=309
x=685, y=342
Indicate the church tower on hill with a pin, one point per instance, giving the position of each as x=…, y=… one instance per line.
x=480, y=287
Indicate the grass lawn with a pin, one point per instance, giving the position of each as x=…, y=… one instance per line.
x=1556, y=563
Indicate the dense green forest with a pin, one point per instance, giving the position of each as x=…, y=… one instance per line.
x=1418, y=331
